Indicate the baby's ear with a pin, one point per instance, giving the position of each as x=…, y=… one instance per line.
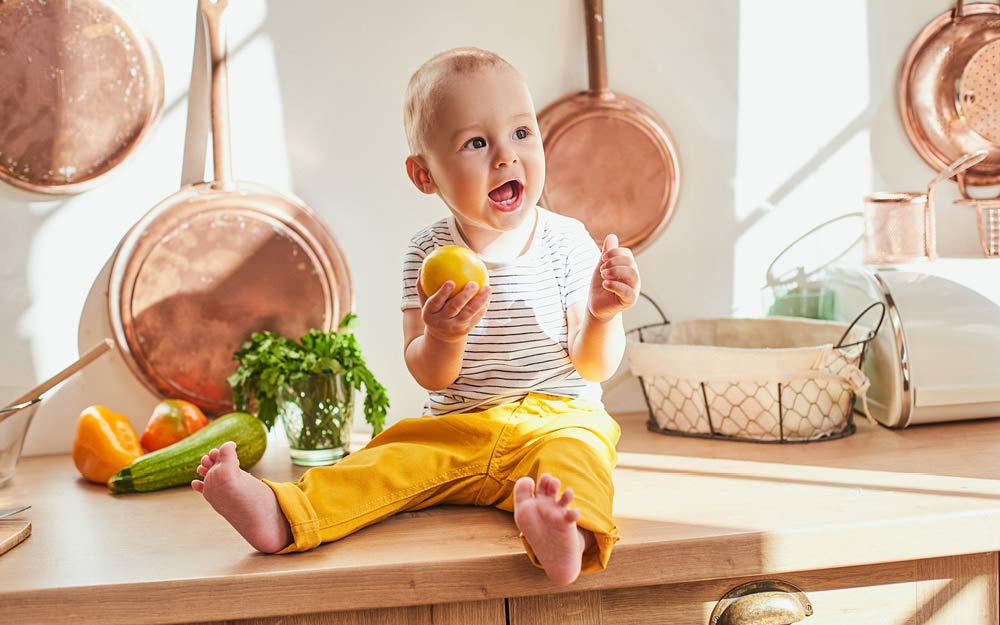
x=419, y=175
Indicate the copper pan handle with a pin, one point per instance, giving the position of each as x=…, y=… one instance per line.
x=959, y=10
x=199, y=107
x=963, y=188
x=958, y=169
x=221, y=150
x=597, y=66
x=958, y=166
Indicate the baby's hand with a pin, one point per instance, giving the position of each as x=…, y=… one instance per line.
x=615, y=285
x=451, y=320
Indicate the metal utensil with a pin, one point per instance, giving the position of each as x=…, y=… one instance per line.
x=11, y=511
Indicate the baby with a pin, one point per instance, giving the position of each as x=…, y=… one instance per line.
x=513, y=369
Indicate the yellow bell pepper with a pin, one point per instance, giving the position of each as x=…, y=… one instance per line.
x=104, y=444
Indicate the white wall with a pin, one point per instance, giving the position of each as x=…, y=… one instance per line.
x=783, y=112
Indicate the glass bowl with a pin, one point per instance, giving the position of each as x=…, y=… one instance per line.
x=13, y=428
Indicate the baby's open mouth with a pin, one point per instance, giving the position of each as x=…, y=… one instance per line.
x=507, y=197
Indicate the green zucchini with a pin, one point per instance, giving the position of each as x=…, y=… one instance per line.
x=175, y=464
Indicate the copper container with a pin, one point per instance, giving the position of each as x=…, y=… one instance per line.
x=217, y=261
x=82, y=88
x=988, y=223
x=901, y=227
x=898, y=228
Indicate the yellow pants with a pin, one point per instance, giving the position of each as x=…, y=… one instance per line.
x=464, y=459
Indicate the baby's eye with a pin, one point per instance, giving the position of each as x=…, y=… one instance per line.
x=476, y=143
x=521, y=133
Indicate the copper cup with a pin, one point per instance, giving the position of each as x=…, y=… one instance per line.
x=900, y=227
x=897, y=228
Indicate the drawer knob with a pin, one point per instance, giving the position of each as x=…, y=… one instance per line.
x=765, y=602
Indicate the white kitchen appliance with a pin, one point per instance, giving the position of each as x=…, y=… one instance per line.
x=937, y=356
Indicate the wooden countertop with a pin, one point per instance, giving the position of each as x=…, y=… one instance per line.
x=689, y=509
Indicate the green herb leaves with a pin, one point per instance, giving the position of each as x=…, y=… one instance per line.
x=268, y=361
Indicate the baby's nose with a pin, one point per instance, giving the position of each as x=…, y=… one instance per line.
x=505, y=158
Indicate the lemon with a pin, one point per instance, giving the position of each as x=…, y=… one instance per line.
x=452, y=262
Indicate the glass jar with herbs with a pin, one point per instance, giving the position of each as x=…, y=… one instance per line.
x=310, y=384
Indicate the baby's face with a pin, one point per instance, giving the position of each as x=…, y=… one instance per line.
x=484, y=152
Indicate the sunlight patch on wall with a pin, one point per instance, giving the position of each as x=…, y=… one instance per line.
x=835, y=189
x=802, y=129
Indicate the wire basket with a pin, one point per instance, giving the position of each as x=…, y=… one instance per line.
x=779, y=379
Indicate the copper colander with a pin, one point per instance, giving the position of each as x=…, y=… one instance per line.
x=947, y=91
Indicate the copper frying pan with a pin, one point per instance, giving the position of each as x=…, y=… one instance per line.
x=216, y=261
x=610, y=161
x=80, y=89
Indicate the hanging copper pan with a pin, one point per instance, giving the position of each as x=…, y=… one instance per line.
x=80, y=88
x=217, y=261
x=949, y=96
x=610, y=161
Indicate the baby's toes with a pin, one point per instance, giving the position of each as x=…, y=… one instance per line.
x=214, y=455
x=567, y=497
x=227, y=453
x=553, y=514
x=548, y=485
x=198, y=485
x=202, y=469
x=571, y=516
x=524, y=489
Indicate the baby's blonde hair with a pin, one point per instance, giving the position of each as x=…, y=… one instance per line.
x=424, y=88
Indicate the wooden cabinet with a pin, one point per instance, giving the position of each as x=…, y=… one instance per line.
x=467, y=613
x=960, y=590
x=947, y=591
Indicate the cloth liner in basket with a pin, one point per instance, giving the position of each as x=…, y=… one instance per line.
x=780, y=379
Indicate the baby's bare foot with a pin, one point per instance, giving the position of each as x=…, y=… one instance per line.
x=247, y=503
x=549, y=526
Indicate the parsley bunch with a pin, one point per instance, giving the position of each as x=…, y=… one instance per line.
x=267, y=362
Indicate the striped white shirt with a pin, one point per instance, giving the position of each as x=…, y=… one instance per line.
x=521, y=343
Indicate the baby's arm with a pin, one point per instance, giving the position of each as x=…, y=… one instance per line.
x=596, y=347
x=435, y=334
x=596, y=332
